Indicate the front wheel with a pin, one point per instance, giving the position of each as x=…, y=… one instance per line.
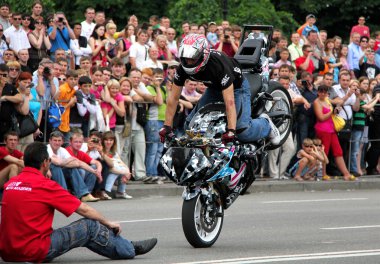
x=281, y=111
x=202, y=221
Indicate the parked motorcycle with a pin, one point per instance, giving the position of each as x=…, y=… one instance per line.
x=214, y=174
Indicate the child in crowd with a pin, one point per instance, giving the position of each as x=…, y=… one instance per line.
x=305, y=167
x=322, y=161
x=284, y=58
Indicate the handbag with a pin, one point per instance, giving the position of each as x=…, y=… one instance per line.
x=338, y=121
x=119, y=167
x=142, y=112
x=27, y=124
x=15, y=126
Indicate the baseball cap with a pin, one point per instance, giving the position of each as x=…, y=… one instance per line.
x=310, y=16
x=211, y=23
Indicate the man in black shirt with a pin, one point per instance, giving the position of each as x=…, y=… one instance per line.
x=223, y=77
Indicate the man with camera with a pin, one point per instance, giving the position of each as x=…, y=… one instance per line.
x=226, y=43
x=60, y=33
x=46, y=85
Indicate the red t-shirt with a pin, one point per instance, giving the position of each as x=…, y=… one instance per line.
x=4, y=152
x=301, y=60
x=362, y=30
x=227, y=49
x=82, y=156
x=27, y=213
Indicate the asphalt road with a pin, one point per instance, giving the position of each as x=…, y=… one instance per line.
x=297, y=227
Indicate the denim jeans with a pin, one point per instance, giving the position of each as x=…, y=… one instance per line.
x=305, y=129
x=252, y=129
x=92, y=235
x=58, y=176
x=111, y=178
x=154, y=147
x=88, y=178
x=356, y=136
x=78, y=183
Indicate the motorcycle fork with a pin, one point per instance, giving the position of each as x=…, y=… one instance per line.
x=212, y=200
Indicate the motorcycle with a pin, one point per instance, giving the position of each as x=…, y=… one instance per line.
x=214, y=174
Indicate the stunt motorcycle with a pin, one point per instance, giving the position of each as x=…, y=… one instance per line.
x=214, y=174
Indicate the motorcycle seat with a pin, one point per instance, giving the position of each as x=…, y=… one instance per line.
x=248, y=54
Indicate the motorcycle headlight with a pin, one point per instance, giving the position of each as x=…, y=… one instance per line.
x=182, y=165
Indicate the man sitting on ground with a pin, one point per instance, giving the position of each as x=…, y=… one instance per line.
x=27, y=214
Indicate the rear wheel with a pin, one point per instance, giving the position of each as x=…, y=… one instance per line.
x=202, y=221
x=281, y=112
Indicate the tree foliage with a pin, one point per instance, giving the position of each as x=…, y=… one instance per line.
x=239, y=12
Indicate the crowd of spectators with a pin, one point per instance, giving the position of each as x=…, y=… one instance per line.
x=115, y=81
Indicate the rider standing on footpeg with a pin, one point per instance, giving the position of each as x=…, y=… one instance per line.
x=224, y=80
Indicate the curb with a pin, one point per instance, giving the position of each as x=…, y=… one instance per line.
x=138, y=189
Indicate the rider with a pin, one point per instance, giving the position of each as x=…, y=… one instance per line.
x=224, y=80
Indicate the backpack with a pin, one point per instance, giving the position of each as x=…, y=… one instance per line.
x=55, y=112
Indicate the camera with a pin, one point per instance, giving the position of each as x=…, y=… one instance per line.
x=46, y=72
x=60, y=19
x=95, y=140
x=226, y=37
x=304, y=83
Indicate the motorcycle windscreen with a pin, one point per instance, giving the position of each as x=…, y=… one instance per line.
x=185, y=165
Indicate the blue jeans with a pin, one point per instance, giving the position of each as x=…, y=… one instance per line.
x=356, y=136
x=154, y=147
x=82, y=182
x=251, y=129
x=111, y=178
x=92, y=235
x=58, y=176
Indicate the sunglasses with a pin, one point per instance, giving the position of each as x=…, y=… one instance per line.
x=364, y=41
x=38, y=23
x=318, y=145
x=61, y=79
x=308, y=146
x=4, y=75
x=13, y=69
x=27, y=19
x=17, y=18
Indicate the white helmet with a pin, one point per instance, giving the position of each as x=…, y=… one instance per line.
x=196, y=47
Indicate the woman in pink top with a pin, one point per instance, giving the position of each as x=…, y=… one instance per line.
x=324, y=129
x=113, y=103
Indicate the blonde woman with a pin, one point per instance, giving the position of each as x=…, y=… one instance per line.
x=164, y=53
x=111, y=46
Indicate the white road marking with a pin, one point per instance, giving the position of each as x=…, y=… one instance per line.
x=281, y=258
x=350, y=227
x=150, y=220
x=317, y=200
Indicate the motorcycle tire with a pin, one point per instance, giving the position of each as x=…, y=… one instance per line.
x=285, y=104
x=201, y=227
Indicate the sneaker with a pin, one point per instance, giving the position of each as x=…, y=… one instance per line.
x=89, y=198
x=144, y=246
x=102, y=195
x=274, y=135
x=123, y=195
x=151, y=179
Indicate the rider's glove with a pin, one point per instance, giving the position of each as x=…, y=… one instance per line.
x=166, y=133
x=229, y=136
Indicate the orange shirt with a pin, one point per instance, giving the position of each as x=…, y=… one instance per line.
x=65, y=94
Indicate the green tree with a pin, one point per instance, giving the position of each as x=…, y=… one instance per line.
x=239, y=12
x=25, y=6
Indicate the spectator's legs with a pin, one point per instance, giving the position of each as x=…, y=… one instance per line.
x=138, y=148
x=8, y=172
x=93, y=235
x=152, y=128
x=273, y=163
x=57, y=175
x=79, y=187
x=355, y=146
x=88, y=178
x=302, y=130
x=111, y=178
